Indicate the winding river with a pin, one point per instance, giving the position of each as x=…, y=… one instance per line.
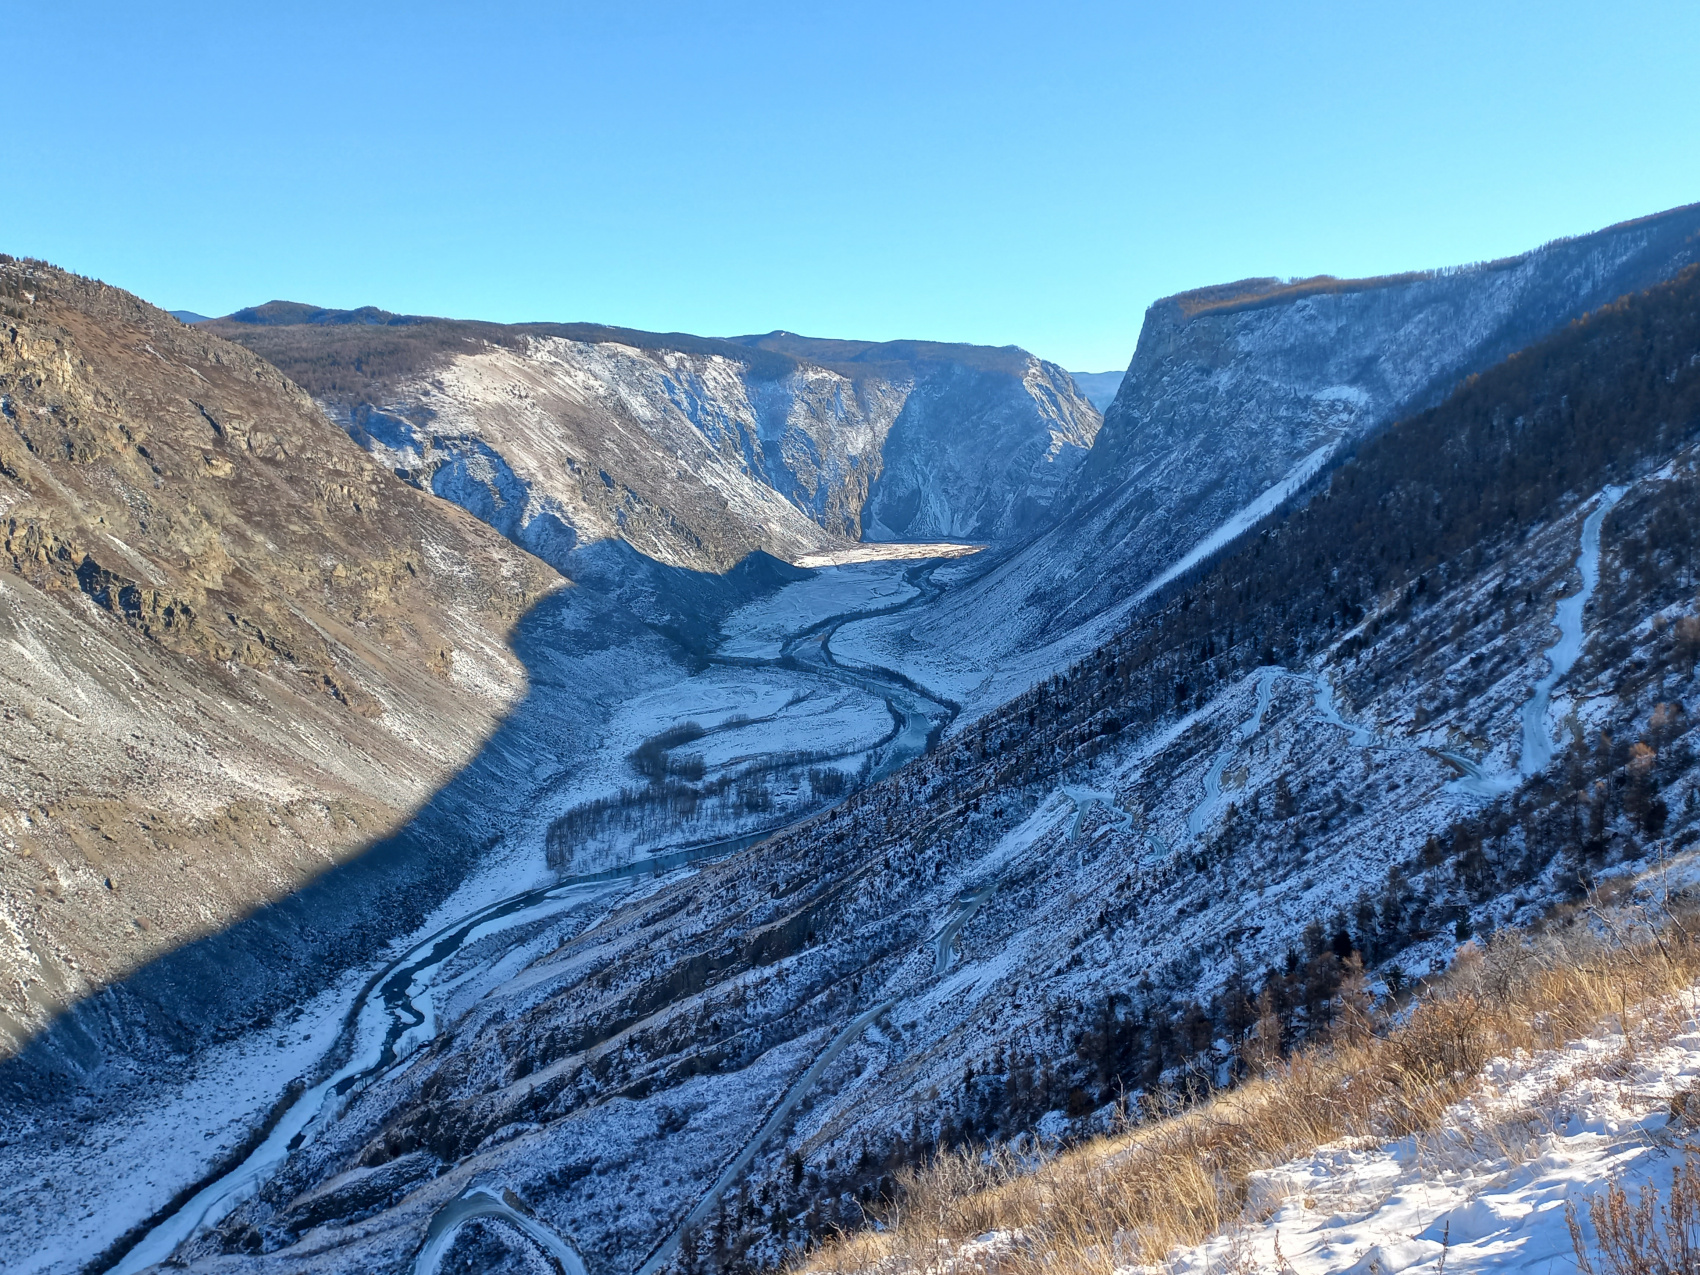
x=393, y=1015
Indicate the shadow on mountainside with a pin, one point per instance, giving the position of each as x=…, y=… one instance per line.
x=583, y=648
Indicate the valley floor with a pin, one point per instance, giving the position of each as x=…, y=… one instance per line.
x=74, y=1192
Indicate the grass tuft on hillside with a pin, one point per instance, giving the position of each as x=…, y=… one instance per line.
x=1180, y=1171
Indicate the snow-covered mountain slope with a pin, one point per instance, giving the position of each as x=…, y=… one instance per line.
x=1236, y=396
x=1084, y=894
x=237, y=650
x=558, y=442
x=986, y=441
x=695, y=452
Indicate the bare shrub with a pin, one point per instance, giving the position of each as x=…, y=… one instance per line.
x=1651, y=1237
x=1182, y=1173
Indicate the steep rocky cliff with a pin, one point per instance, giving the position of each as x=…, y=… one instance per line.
x=238, y=650
x=1299, y=364
x=693, y=451
x=1449, y=694
x=984, y=442
x=1236, y=396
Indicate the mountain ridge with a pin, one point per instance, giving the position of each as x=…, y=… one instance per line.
x=1227, y=410
x=694, y=450
x=1254, y=292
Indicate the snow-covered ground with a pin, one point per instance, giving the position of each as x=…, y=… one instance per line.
x=67, y=1200
x=759, y=630
x=748, y=712
x=883, y=552
x=1094, y=888
x=765, y=700
x=1488, y=1193
x=1536, y=742
x=65, y=1203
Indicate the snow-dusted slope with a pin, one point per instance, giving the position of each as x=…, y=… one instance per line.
x=999, y=482
x=1236, y=395
x=558, y=442
x=697, y=452
x=934, y=984
x=1490, y=1193
x=1084, y=894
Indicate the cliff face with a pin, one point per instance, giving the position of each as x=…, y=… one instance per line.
x=695, y=452
x=1236, y=396
x=239, y=650
x=559, y=443
x=1000, y=483
x=1250, y=377
x=1091, y=895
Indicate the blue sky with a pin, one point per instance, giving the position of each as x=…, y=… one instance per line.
x=1028, y=174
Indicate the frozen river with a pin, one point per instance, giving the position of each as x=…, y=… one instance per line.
x=775, y=652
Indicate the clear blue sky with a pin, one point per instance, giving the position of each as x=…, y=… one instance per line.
x=1032, y=174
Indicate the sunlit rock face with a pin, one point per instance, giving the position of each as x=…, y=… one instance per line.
x=696, y=451
x=1235, y=397
x=238, y=649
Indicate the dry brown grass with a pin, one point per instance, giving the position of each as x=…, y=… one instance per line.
x=1181, y=1175
x=1651, y=1237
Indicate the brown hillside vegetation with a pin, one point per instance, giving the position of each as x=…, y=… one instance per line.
x=1179, y=1174
x=236, y=649
x=1246, y=294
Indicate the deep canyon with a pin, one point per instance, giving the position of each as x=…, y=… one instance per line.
x=555, y=797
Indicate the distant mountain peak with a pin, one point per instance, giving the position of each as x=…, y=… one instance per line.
x=1099, y=388
x=292, y=313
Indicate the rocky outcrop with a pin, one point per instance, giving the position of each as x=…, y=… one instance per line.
x=238, y=649
x=695, y=452
x=1237, y=395
x=1088, y=899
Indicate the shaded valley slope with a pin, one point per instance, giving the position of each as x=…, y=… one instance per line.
x=238, y=650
